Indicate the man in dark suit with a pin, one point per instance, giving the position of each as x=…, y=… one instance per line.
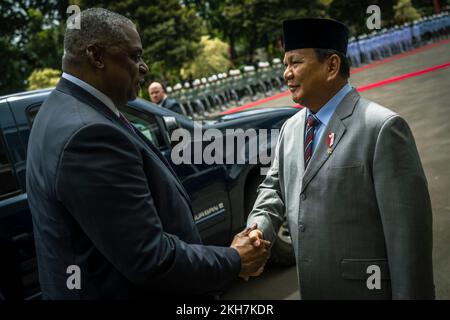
x=158, y=95
x=111, y=219
x=348, y=178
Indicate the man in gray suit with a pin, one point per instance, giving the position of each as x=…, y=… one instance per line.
x=348, y=178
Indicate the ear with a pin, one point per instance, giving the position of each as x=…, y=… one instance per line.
x=333, y=64
x=95, y=56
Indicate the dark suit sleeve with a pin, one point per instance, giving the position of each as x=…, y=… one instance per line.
x=173, y=105
x=177, y=108
x=101, y=182
x=405, y=208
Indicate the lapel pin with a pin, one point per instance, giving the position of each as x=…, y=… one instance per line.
x=330, y=142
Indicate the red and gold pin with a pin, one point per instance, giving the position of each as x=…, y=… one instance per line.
x=330, y=142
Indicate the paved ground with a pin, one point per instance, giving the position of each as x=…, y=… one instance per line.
x=424, y=101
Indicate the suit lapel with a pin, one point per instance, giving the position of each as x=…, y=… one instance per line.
x=163, y=103
x=336, y=126
x=320, y=154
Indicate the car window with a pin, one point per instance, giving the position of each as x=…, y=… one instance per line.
x=8, y=185
x=146, y=124
x=32, y=112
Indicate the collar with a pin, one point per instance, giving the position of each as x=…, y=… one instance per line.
x=93, y=91
x=325, y=113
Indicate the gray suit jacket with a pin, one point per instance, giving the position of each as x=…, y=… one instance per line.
x=365, y=203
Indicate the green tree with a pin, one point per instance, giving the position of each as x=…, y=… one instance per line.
x=170, y=32
x=354, y=13
x=251, y=24
x=45, y=40
x=405, y=12
x=425, y=7
x=30, y=38
x=12, y=71
x=43, y=78
x=213, y=58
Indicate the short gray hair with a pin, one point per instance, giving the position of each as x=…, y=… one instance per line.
x=96, y=25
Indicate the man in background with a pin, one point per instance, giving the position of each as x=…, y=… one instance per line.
x=158, y=96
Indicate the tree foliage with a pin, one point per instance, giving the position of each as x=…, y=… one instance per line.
x=43, y=78
x=30, y=37
x=213, y=58
x=250, y=24
x=354, y=13
x=170, y=32
x=405, y=12
x=31, y=31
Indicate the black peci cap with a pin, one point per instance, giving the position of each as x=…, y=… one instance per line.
x=315, y=33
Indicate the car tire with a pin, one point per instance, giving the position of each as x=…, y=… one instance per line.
x=282, y=253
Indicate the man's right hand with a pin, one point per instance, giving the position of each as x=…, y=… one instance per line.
x=256, y=237
x=253, y=256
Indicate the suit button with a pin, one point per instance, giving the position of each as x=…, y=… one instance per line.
x=301, y=227
x=303, y=197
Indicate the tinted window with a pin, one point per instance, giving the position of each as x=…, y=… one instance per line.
x=8, y=184
x=146, y=124
x=32, y=112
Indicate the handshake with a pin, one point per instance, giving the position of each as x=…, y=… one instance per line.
x=253, y=250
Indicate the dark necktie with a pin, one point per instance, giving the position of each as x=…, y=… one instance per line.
x=311, y=123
